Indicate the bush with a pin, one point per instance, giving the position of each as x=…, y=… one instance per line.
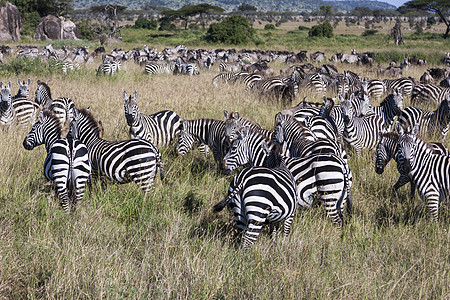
x=321, y=30
x=30, y=22
x=26, y=66
x=303, y=28
x=232, y=30
x=369, y=32
x=86, y=32
x=145, y=23
x=269, y=27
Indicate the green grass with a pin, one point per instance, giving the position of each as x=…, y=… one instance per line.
x=120, y=243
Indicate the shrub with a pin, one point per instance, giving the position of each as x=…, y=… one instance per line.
x=369, y=32
x=321, y=30
x=145, y=23
x=30, y=21
x=269, y=27
x=86, y=32
x=26, y=66
x=303, y=28
x=232, y=30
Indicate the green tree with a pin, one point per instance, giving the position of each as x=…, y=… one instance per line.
x=232, y=30
x=44, y=7
x=247, y=7
x=145, y=23
x=188, y=11
x=321, y=30
x=361, y=11
x=438, y=7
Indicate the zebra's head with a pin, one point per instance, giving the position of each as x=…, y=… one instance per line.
x=46, y=128
x=232, y=125
x=6, y=93
x=407, y=144
x=24, y=88
x=387, y=143
x=131, y=108
x=185, y=140
x=278, y=132
x=398, y=101
x=363, y=105
x=239, y=153
x=347, y=110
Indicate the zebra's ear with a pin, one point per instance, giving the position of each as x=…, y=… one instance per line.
x=38, y=82
x=124, y=95
x=380, y=136
x=29, y=81
x=278, y=118
x=235, y=115
x=9, y=84
x=135, y=95
x=225, y=114
x=19, y=82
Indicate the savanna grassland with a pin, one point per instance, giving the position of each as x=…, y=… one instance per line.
x=121, y=244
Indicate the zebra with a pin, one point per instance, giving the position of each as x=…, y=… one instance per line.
x=109, y=68
x=400, y=84
x=125, y=161
x=429, y=93
x=62, y=106
x=67, y=66
x=185, y=69
x=248, y=80
x=203, y=131
x=231, y=67
x=275, y=88
x=376, y=88
x=430, y=122
x=260, y=195
x=354, y=82
x=360, y=132
x=152, y=68
x=227, y=77
x=233, y=123
x=21, y=111
x=387, y=148
x=430, y=172
x=67, y=162
x=321, y=175
x=24, y=90
x=314, y=83
x=160, y=128
x=389, y=108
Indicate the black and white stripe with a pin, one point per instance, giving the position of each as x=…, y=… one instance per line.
x=62, y=106
x=160, y=128
x=109, y=68
x=233, y=123
x=429, y=93
x=404, y=85
x=122, y=161
x=24, y=89
x=21, y=111
x=67, y=162
x=391, y=107
x=430, y=172
x=153, y=68
x=229, y=77
x=185, y=69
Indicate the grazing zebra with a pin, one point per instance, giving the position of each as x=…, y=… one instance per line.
x=248, y=80
x=227, y=77
x=322, y=128
x=160, y=128
x=430, y=172
x=121, y=161
x=185, y=69
x=203, y=131
x=275, y=88
x=233, y=123
x=67, y=162
x=391, y=107
x=322, y=176
x=360, y=132
x=430, y=122
x=260, y=195
x=405, y=85
x=429, y=93
x=314, y=83
x=67, y=66
x=387, y=148
x=21, y=111
x=109, y=68
x=153, y=68
x=24, y=90
x=62, y=106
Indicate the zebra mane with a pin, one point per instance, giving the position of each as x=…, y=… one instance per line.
x=391, y=135
x=52, y=116
x=47, y=88
x=91, y=120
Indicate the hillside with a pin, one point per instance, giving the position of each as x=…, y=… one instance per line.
x=230, y=5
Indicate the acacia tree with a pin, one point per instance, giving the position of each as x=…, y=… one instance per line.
x=438, y=7
x=189, y=11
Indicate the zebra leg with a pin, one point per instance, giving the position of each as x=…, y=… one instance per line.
x=333, y=213
x=433, y=205
x=63, y=197
x=287, y=225
x=402, y=180
x=251, y=234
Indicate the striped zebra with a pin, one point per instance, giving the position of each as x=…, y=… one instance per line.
x=430, y=172
x=429, y=93
x=360, y=132
x=321, y=177
x=160, y=128
x=185, y=69
x=122, y=161
x=248, y=80
x=405, y=85
x=24, y=89
x=354, y=82
x=203, y=131
x=389, y=108
x=387, y=148
x=376, y=88
x=153, y=68
x=430, y=122
x=275, y=88
x=67, y=66
x=62, y=106
x=314, y=83
x=109, y=68
x=260, y=195
x=231, y=67
x=67, y=162
x=322, y=128
x=233, y=122
x=21, y=111
x=229, y=77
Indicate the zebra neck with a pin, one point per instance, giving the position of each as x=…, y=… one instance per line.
x=50, y=138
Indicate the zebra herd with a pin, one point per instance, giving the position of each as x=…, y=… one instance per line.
x=302, y=161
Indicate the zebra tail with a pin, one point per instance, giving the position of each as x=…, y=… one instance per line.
x=219, y=206
x=349, y=207
x=162, y=173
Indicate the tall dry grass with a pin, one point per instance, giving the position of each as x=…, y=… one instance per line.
x=120, y=244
